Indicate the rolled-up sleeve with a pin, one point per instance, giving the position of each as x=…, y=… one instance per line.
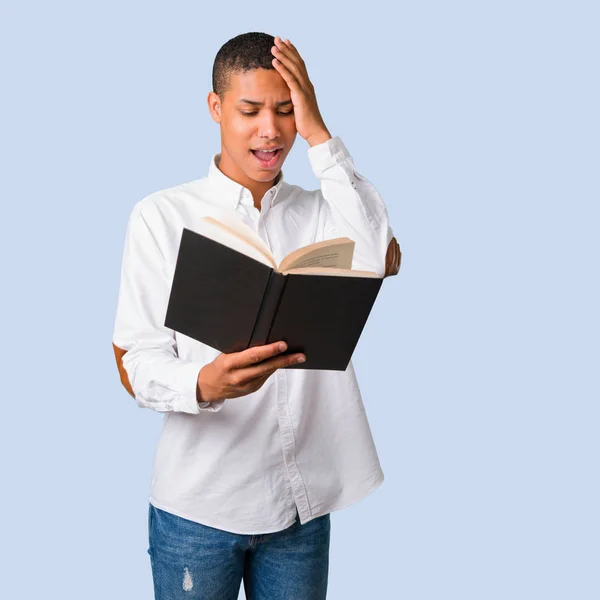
x=350, y=206
x=159, y=379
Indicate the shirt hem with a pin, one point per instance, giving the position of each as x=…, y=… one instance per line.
x=216, y=525
x=319, y=510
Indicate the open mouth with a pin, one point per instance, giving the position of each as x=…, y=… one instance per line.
x=266, y=159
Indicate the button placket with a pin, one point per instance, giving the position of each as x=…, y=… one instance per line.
x=286, y=432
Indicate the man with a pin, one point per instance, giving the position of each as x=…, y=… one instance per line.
x=252, y=457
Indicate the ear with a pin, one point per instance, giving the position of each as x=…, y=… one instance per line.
x=214, y=106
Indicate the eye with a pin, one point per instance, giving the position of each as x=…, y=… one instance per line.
x=251, y=114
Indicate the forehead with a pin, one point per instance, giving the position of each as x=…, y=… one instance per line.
x=261, y=85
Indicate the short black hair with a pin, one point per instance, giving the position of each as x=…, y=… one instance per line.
x=241, y=54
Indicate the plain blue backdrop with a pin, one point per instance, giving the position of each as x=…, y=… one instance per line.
x=478, y=123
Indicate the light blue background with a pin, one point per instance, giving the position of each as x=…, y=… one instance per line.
x=478, y=124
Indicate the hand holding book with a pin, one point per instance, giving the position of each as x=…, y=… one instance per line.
x=241, y=373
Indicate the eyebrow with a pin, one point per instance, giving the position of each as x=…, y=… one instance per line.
x=255, y=103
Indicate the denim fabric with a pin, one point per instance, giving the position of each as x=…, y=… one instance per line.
x=193, y=561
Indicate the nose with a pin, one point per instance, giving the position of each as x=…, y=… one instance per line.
x=268, y=125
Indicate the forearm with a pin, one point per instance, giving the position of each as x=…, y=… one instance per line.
x=162, y=382
x=202, y=397
x=150, y=367
x=352, y=206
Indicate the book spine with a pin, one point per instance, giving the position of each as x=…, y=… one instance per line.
x=268, y=309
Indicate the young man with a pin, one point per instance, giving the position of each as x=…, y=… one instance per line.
x=252, y=457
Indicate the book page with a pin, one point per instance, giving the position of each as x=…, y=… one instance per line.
x=335, y=253
x=330, y=271
x=213, y=229
x=243, y=232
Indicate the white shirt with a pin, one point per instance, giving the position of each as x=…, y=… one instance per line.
x=302, y=441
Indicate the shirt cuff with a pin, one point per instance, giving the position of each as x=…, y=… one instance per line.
x=328, y=154
x=214, y=406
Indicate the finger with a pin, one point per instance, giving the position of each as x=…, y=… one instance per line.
x=245, y=358
x=283, y=46
x=287, y=56
x=286, y=50
x=288, y=76
x=291, y=49
x=294, y=50
x=288, y=64
x=258, y=382
x=270, y=366
x=389, y=258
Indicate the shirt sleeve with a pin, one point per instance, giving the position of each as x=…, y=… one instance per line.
x=159, y=379
x=351, y=206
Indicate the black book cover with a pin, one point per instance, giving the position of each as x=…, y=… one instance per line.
x=232, y=302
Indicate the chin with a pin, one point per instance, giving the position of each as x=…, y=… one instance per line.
x=265, y=176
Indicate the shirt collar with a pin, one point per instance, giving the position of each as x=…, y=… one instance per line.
x=231, y=193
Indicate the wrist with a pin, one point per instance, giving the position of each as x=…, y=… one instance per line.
x=202, y=389
x=201, y=395
x=318, y=138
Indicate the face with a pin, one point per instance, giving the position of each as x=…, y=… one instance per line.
x=246, y=127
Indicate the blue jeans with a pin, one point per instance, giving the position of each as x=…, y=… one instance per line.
x=196, y=562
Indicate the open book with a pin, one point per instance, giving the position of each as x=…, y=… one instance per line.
x=229, y=293
x=330, y=257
